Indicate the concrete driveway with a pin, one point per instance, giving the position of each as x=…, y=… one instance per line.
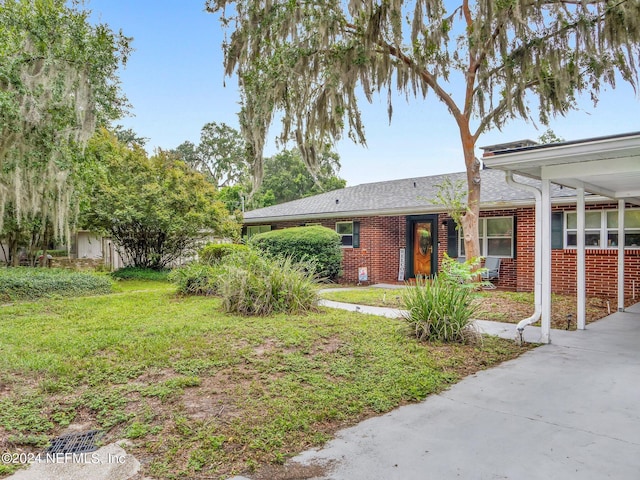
x=569, y=410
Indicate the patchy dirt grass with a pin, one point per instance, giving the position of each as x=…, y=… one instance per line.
x=204, y=395
x=495, y=305
x=511, y=307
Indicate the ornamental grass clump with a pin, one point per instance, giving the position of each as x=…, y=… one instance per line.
x=440, y=310
x=255, y=285
x=195, y=279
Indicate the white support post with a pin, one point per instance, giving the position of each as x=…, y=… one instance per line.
x=581, y=289
x=621, y=243
x=545, y=225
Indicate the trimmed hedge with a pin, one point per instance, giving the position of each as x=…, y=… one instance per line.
x=317, y=245
x=137, y=273
x=26, y=283
x=212, y=253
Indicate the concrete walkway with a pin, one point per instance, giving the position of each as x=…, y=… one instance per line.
x=569, y=410
x=498, y=329
x=110, y=462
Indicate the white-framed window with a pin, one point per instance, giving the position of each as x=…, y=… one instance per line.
x=255, y=229
x=496, y=237
x=601, y=229
x=345, y=230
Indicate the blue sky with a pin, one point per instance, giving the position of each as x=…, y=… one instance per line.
x=175, y=82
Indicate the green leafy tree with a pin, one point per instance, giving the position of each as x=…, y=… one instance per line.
x=128, y=136
x=287, y=178
x=487, y=61
x=58, y=80
x=187, y=152
x=156, y=209
x=549, y=136
x=221, y=154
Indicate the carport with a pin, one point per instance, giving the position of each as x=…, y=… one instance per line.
x=606, y=166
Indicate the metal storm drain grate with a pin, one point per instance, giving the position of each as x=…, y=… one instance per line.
x=75, y=442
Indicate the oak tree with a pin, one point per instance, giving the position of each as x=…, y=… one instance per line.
x=308, y=63
x=58, y=80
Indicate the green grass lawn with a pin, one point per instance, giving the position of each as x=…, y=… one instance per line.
x=203, y=394
x=494, y=305
x=377, y=297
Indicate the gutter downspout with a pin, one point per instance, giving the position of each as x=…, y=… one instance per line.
x=537, y=291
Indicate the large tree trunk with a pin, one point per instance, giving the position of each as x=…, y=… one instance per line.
x=470, y=218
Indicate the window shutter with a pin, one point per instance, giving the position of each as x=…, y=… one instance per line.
x=515, y=237
x=356, y=234
x=557, y=231
x=452, y=238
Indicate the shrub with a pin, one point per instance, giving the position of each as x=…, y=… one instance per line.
x=317, y=245
x=212, y=253
x=195, y=279
x=25, y=283
x=256, y=285
x=465, y=274
x=440, y=310
x=137, y=273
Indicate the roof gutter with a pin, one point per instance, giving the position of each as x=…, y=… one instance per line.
x=417, y=211
x=537, y=292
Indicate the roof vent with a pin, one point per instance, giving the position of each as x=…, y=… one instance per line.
x=414, y=185
x=337, y=201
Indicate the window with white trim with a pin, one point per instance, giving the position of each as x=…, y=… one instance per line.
x=601, y=229
x=496, y=237
x=345, y=230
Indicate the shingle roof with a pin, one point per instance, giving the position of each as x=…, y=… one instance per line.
x=402, y=197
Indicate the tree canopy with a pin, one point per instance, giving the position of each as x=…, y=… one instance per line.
x=156, y=209
x=286, y=178
x=220, y=155
x=487, y=61
x=58, y=80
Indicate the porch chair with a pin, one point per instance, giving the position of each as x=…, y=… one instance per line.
x=492, y=266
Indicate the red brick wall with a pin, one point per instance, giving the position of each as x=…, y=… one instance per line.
x=382, y=237
x=380, y=241
x=601, y=265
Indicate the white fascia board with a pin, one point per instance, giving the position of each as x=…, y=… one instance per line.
x=609, y=166
x=413, y=211
x=562, y=154
x=351, y=214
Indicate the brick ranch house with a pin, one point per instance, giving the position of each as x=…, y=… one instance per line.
x=391, y=231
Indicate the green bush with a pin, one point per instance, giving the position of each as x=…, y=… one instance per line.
x=257, y=285
x=25, y=283
x=212, y=253
x=195, y=279
x=440, y=310
x=137, y=273
x=319, y=246
x=466, y=274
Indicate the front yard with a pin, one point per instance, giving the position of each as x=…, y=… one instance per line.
x=495, y=305
x=202, y=394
